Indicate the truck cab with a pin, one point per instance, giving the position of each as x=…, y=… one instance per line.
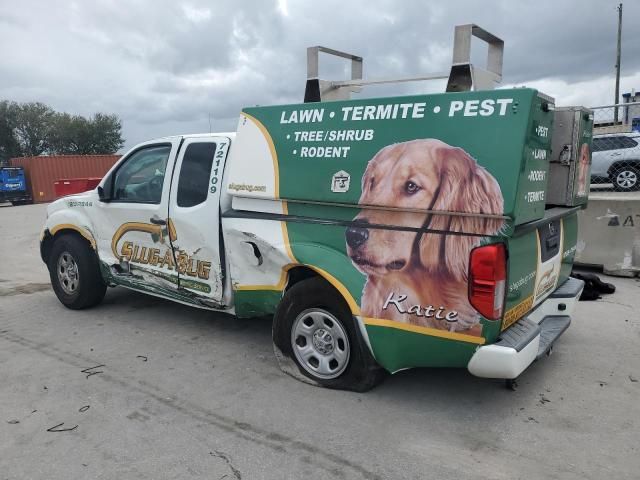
x=159, y=189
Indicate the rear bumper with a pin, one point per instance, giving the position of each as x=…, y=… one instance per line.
x=530, y=337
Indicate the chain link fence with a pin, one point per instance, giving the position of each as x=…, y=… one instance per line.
x=616, y=148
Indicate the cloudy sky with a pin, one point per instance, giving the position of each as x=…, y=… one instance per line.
x=172, y=66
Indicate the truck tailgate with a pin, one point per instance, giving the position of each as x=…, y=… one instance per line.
x=540, y=259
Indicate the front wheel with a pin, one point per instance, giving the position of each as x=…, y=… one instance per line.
x=75, y=273
x=626, y=179
x=314, y=328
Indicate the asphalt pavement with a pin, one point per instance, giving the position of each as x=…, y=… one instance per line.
x=140, y=387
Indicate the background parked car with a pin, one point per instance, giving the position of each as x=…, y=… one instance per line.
x=616, y=160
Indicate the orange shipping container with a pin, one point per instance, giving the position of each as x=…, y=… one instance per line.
x=43, y=171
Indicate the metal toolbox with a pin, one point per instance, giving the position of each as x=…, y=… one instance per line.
x=570, y=161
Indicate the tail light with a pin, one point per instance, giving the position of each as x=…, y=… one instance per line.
x=487, y=279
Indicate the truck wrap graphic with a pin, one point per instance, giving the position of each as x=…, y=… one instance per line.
x=280, y=149
x=420, y=277
x=462, y=169
x=163, y=258
x=583, y=171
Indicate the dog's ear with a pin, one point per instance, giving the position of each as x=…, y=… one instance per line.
x=465, y=187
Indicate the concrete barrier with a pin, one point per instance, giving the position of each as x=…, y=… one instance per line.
x=609, y=233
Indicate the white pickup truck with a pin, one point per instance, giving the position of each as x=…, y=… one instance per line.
x=378, y=234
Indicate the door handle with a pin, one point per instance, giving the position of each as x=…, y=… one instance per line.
x=616, y=154
x=158, y=221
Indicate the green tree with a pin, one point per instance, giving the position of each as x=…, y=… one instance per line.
x=9, y=145
x=77, y=135
x=66, y=134
x=31, y=128
x=106, y=133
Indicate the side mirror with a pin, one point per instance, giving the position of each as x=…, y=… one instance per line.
x=102, y=195
x=105, y=195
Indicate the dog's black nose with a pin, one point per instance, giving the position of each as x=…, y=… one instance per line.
x=356, y=236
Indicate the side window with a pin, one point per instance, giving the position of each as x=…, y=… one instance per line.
x=141, y=177
x=607, y=143
x=628, y=142
x=616, y=143
x=598, y=145
x=193, y=184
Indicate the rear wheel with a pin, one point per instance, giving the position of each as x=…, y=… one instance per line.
x=320, y=343
x=75, y=273
x=314, y=328
x=626, y=178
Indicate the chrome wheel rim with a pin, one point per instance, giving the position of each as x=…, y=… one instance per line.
x=68, y=274
x=320, y=343
x=626, y=179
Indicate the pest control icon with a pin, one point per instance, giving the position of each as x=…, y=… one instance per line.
x=340, y=182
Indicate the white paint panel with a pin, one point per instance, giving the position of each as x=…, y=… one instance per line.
x=246, y=268
x=251, y=163
x=548, y=271
x=197, y=227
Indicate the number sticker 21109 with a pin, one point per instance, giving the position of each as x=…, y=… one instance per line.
x=221, y=151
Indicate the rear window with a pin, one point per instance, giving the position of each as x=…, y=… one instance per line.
x=613, y=143
x=597, y=145
x=193, y=185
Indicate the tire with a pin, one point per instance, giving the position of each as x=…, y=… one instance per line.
x=75, y=273
x=314, y=322
x=626, y=178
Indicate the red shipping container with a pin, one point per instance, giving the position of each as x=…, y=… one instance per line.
x=42, y=172
x=69, y=186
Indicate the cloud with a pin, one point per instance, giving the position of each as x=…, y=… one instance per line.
x=195, y=14
x=283, y=7
x=166, y=67
x=593, y=92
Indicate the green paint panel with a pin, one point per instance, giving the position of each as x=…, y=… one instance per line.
x=324, y=246
x=256, y=303
x=521, y=268
x=396, y=349
x=570, y=225
x=530, y=196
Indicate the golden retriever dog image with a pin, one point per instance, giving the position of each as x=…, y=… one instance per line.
x=420, y=276
x=583, y=167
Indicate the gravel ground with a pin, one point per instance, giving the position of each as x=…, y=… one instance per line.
x=143, y=388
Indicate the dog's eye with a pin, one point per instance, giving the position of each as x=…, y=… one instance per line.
x=411, y=187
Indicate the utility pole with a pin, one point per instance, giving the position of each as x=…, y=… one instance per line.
x=617, y=99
